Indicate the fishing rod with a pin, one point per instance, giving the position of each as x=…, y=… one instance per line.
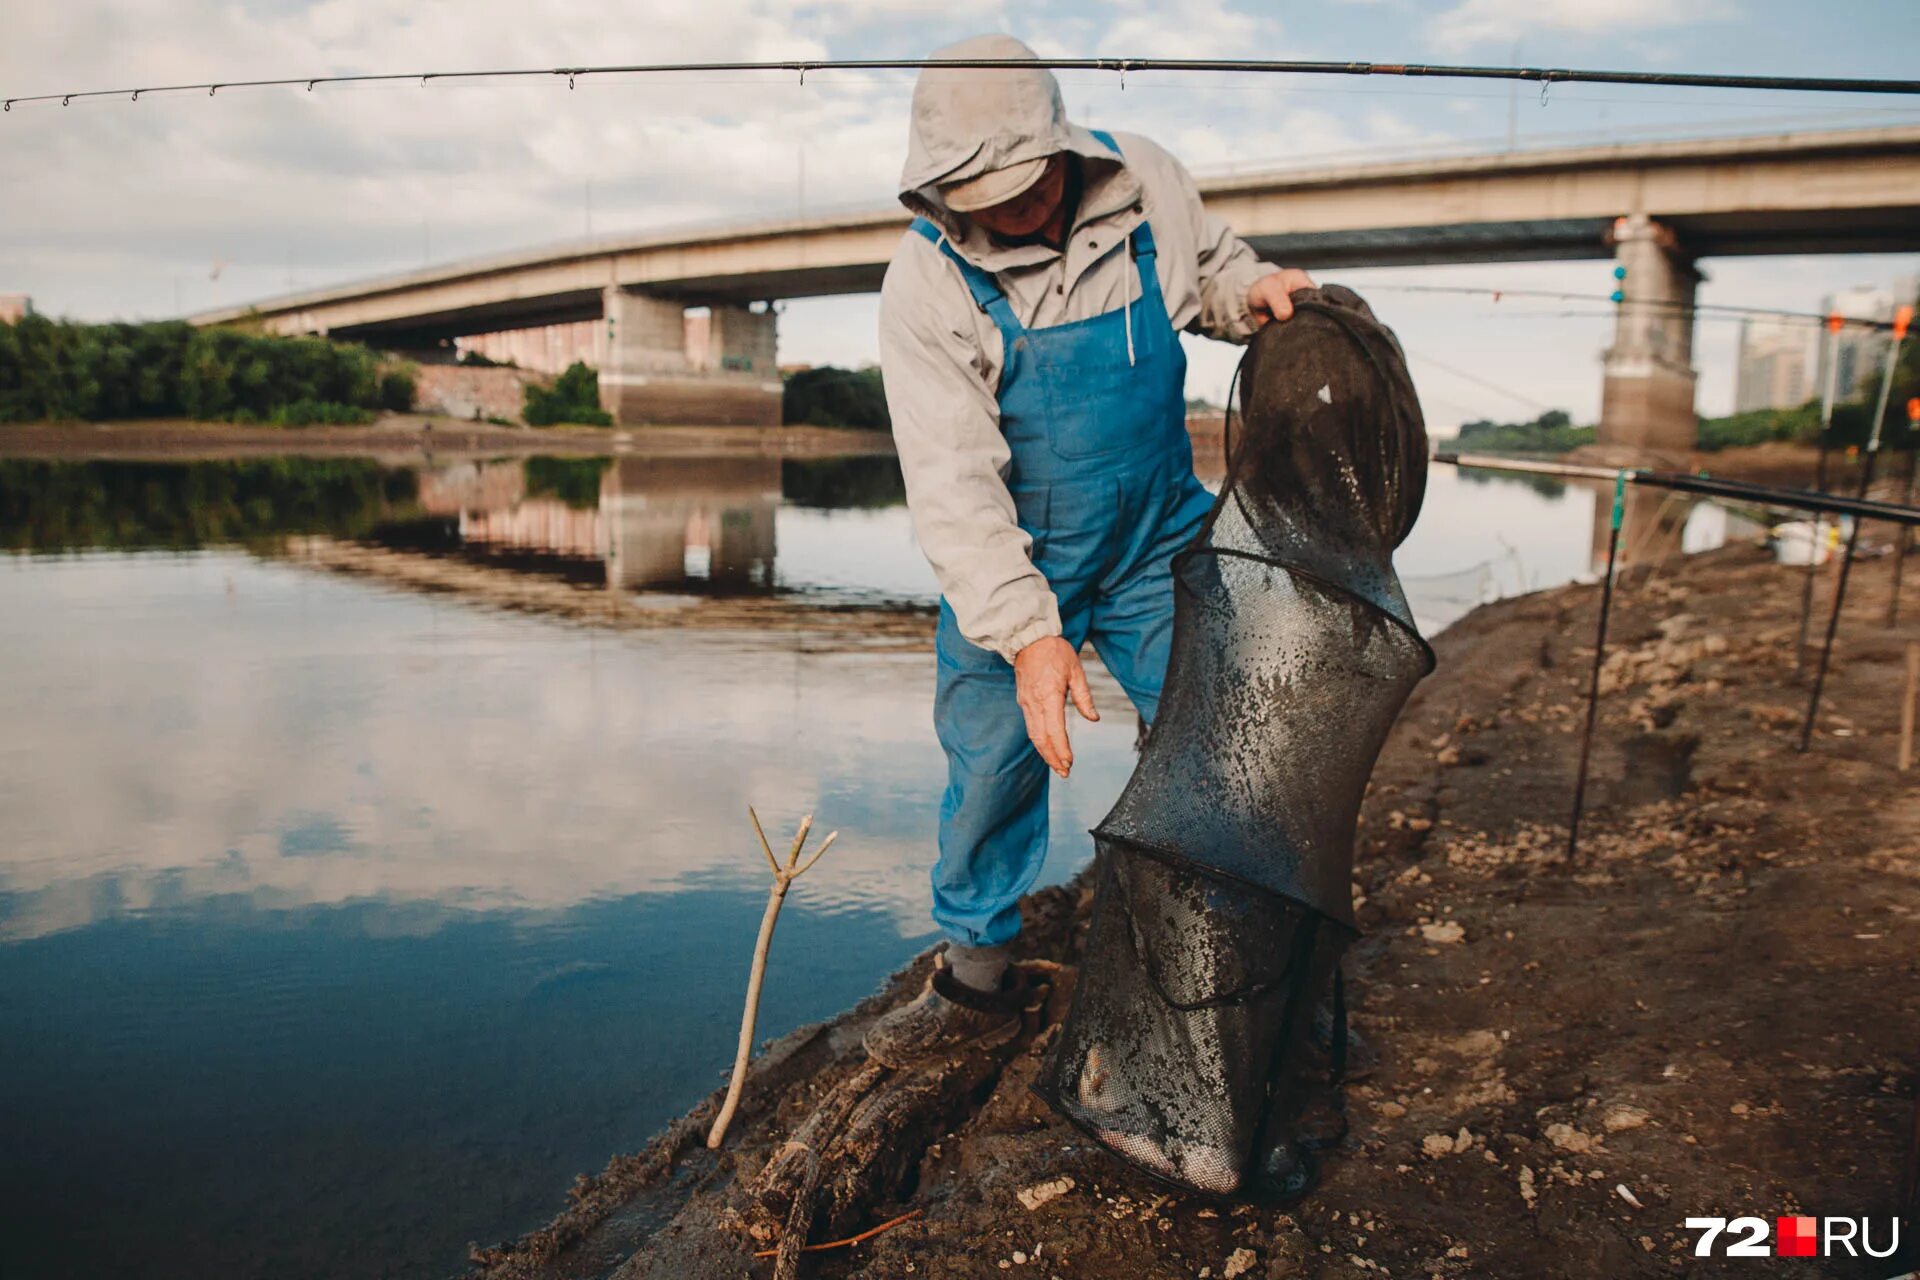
x=1761, y=495
x=1698, y=310
x=1901, y=320
x=1599, y=655
x=1830, y=356
x=1545, y=77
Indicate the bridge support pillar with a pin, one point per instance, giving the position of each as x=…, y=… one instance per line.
x=662, y=369
x=1646, y=404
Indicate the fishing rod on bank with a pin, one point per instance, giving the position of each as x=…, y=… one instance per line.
x=1830, y=356
x=1545, y=77
x=1902, y=319
x=1775, y=496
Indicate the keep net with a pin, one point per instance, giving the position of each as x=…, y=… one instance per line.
x=1223, y=885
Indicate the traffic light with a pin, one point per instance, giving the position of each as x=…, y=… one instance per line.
x=1619, y=281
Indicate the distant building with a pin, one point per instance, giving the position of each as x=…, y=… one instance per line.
x=1859, y=353
x=1775, y=364
x=14, y=306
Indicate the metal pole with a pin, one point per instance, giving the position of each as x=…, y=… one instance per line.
x=1599, y=655
x=1853, y=536
x=1819, y=483
x=1905, y=535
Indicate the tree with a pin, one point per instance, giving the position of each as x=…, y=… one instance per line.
x=833, y=397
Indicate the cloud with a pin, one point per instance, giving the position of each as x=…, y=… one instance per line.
x=1478, y=22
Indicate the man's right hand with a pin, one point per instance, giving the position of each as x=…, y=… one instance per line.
x=1046, y=673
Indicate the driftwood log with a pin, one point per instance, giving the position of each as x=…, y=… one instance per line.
x=862, y=1144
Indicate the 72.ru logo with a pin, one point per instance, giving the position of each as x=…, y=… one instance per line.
x=1797, y=1237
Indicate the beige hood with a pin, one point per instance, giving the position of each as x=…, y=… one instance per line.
x=967, y=122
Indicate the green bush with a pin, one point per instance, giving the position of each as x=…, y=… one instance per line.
x=55, y=370
x=137, y=367
x=1551, y=432
x=308, y=413
x=833, y=397
x=573, y=397
x=1759, y=426
x=47, y=370
x=397, y=389
x=228, y=372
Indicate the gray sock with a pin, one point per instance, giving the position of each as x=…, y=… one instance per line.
x=978, y=967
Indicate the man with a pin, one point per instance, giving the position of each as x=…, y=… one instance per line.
x=1037, y=387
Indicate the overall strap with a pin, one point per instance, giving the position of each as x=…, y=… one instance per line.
x=1143, y=234
x=987, y=294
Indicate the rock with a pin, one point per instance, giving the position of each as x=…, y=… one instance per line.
x=1527, y=1192
x=1240, y=1263
x=1659, y=766
x=1437, y=1145
x=1568, y=1138
x=1043, y=1192
x=1624, y=1117
x=1476, y=1044
x=1444, y=931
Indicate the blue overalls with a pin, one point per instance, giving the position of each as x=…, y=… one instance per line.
x=1102, y=479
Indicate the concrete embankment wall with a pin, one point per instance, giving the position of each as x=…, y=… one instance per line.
x=470, y=392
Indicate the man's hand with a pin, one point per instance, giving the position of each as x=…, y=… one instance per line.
x=1271, y=297
x=1046, y=673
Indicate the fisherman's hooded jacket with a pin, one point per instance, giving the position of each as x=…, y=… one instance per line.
x=941, y=354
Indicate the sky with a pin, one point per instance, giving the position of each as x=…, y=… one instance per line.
x=114, y=209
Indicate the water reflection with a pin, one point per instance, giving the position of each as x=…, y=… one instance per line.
x=824, y=530
x=716, y=526
x=58, y=506
x=672, y=522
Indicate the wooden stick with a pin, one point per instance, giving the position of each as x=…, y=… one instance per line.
x=799, y=841
x=783, y=878
x=1907, y=707
x=817, y=854
x=764, y=846
x=866, y=1235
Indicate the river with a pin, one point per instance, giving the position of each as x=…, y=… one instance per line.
x=343, y=922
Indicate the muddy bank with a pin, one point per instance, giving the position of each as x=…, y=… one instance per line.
x=1713, y=1011
x=408, y=438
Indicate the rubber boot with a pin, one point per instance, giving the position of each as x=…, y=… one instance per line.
x=948, y=1017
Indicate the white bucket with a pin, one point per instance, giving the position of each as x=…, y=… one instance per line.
x=1802, y=542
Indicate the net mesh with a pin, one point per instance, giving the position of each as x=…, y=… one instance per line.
x=1223, y=895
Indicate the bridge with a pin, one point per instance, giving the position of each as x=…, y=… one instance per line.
x=1655, y=207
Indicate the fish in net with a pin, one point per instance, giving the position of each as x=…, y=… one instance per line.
x=1223, y=880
